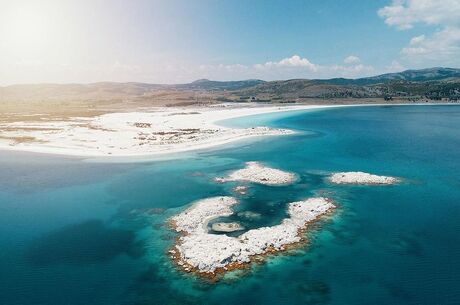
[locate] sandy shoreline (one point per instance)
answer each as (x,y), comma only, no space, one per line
(157,131)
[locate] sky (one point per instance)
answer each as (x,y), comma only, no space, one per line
(178,41)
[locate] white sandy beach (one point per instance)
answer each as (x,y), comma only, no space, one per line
(154,131)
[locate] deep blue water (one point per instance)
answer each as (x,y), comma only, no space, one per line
(85,232)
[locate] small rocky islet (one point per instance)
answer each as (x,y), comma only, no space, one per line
(362,178)
(256,172)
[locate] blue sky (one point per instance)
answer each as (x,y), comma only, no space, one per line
(179,41)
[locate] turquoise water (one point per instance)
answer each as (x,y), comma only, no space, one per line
(79,232)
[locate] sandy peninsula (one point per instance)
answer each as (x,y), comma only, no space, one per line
(258,173)
(362,178)
(199,251)
(154,130)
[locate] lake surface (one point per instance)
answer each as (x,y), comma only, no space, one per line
(86,232)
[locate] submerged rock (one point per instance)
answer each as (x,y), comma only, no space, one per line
(226,227)
(249,215)
(240,189)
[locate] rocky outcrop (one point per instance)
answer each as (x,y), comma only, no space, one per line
(361,178)
(257,173)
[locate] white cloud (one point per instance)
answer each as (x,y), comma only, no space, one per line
(404,14)
(352,60)
(294,61)
(442,45)
(440,48)
(350,71)
(298,67)
(417,39)
(395,66)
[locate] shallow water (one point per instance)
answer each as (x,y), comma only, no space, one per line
(77,232)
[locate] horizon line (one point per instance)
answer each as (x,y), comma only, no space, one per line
(213,80)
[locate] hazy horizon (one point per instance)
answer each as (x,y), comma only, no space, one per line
(179,42)
(201,79)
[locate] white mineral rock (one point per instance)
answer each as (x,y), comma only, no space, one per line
(226,227)
(207,252)
(249,215)
(361,178)
(196,218)
(240,189)
(258,173)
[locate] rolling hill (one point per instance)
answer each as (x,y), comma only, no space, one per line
(432,83)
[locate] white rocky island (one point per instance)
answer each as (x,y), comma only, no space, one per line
(199,251)
(362,178)
(258,173)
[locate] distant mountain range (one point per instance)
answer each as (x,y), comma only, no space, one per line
(432,83)
(423,75)
(206,84)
